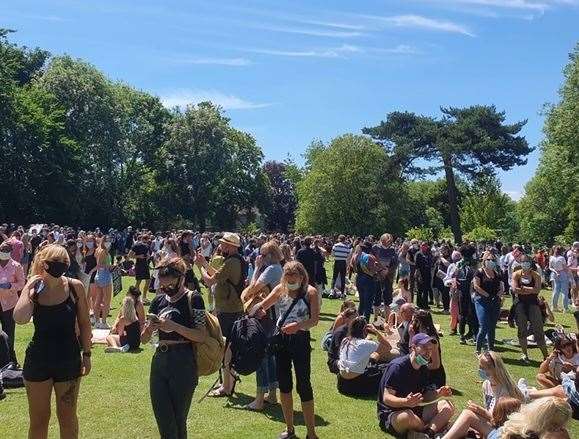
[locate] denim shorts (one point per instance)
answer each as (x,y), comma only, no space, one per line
(103,277)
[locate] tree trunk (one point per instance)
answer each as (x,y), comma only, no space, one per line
(452,200)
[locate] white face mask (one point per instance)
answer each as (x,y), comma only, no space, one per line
(294,286)
(4,256)
(90,244)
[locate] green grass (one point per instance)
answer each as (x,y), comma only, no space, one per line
(114,398)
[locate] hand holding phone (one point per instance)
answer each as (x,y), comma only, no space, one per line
(153,318)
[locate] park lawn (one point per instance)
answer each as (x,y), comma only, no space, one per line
(114,398)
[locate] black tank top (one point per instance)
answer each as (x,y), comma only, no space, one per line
(528,281)
(133,337)
(55,329)
(90,263)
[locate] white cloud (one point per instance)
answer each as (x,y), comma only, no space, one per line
(528,5)
(311,32)
(182,98)
(233,62)
(333,52)
(333,24)
(421,22)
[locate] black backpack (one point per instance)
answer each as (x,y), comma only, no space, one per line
(244,268)
(248,342)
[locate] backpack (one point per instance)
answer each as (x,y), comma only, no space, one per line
(248,343)
(11,377)
(239,287)
(368,264)
(209,353)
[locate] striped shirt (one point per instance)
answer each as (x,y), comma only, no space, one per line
(341,251)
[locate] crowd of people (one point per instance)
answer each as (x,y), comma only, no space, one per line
(386,346)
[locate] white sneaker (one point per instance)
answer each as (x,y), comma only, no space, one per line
(523,386)
(125,348)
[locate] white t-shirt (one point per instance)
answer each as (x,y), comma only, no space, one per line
(557,263)
(355,354)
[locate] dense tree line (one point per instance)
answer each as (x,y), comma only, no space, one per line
(79,148)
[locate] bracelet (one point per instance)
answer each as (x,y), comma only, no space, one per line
(87,354)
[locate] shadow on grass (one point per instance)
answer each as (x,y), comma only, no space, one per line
(327,319)
(271,411)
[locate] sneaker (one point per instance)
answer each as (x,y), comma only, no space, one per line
(523,386)
(452,332)
(125,348)
(462,339)
(287,435)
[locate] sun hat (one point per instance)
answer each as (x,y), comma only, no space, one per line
(231,239)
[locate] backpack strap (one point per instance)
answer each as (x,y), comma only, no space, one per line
(72,289)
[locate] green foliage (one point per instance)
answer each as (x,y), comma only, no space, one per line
(420,233)
(357,198)
(481,233)
(550,205)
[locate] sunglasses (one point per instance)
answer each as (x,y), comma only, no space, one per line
(169,272)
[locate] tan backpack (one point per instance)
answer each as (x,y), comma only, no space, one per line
(209,353)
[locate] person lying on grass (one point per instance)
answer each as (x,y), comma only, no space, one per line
(405,389)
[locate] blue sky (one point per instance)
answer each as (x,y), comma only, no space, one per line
(293,71)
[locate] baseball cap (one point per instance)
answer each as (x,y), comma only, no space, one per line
(422,339)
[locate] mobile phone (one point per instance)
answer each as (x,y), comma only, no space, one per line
(39,287)
(153,318)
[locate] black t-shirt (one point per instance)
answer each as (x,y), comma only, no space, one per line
(141,249)
(404,343)
(424,264)
(185,249)
(179,313)
(334,352)
(490,285)
(401,377)
(308,258)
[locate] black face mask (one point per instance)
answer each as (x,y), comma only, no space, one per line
(56,268)
(171,290)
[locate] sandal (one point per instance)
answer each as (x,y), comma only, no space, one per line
(218,393)
(252,408)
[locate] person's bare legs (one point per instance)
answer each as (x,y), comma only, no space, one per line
(92,299)
(287,407)
(114,340)
(406,420)
(553,391)
(465,421)
(545,380)
(440,414)
(107,297)
(309,418)
(38,408)
(97,303)
(146,289)
(66,399)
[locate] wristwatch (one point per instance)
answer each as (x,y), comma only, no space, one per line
(87,354)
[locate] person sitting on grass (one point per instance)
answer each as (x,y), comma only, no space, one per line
(406,315)
(401,399)
(126,332)
(339,332)
(497,384)
(468,420)
(564,358)
(362,361)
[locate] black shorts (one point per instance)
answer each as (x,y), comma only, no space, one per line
(58,371)
(142,272)
(226,321)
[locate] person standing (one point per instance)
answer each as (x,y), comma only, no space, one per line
(307,257)
(341,253)
(388,260)
(229,281)
(58,306)
(488,289)
(423,273)
(180,323)
(573,264)
(526,285)
(141,251)
(11,282)
(298,310)
(561,279)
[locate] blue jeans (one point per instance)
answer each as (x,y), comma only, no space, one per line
(266,375)
(561,287)
(487,313)
(366,291)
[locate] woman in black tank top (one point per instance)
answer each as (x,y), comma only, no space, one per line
(527,284)
(53,357)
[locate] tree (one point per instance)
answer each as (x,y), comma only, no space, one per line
(281,213)
(356,199)
(466,141)
(550,205)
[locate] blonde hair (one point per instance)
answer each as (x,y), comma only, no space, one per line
(504,406)
(294,267)
(128,310)
(502,375)
(286,251)
(50,252)
(540,416)
(101,251)
(272,248)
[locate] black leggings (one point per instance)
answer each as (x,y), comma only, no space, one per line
(297,350)
(366,384)
(339,270)
(467,315)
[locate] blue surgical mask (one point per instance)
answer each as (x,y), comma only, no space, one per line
(421,361)
(483,374)
(490,264)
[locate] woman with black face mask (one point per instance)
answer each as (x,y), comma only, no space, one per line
(179,319)
(59,309)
